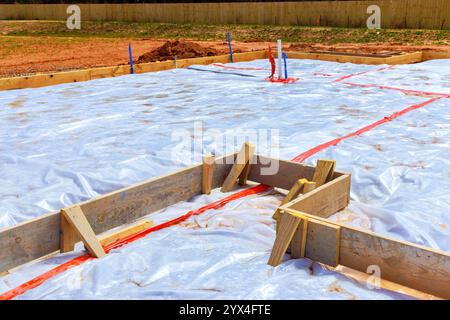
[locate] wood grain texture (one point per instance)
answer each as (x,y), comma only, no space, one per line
(404,263)
(125,232)
(301,186)
(281,173)
(324,171)
(324,200)
(242,159)
(287,226)
(39,237)
(29,241)
(69,237)
(363,277)
(322,242)
(77,220)
(244,175)
(207,174)
(298,242)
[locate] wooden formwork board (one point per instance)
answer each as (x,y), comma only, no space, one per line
(407,264)
(49,79)
(41,236)
(309,231)
(343,58)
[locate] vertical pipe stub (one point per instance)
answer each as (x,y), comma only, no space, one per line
(229,47)
(279,56)
(285,65)
(130,53)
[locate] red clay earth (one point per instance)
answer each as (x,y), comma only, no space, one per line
(180,50)
(51,54)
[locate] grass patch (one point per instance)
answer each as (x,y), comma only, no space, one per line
(246,33)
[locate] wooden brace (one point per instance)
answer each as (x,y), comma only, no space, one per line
(75,226)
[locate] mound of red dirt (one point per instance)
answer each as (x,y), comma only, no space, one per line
(180,49)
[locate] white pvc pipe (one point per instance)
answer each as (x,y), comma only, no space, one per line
(280,64)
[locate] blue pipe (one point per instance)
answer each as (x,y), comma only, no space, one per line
(131,59)
(285,65)
(229,46)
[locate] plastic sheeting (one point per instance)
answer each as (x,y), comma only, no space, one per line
(67,143)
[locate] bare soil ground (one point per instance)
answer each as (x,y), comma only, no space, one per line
(28,47)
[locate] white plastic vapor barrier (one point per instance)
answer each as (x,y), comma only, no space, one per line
(64,144)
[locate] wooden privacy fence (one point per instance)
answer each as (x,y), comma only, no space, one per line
(416,14)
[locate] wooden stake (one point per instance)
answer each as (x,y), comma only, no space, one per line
(208,171)
(244,175)
(324,171)
(242,159)
(301,186)
(288,224)
(69,237)
(77,221)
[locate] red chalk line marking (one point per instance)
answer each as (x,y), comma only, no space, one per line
(37,281)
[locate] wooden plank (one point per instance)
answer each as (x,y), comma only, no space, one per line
(295,190)
(287,226)
(293,193)
(49,79)
(324,171)
(432,55)
(125,232)
(405,263)
(406,58)
(315,240)
(39,237)
(324,200)
(363,277)
(301,186)
(322,242)
(280,173)
(129,204)
(308,186)
(244,175)
(29,241)
(336,58)
(241,161)
(77,220)
(207,174)
(298,242)
(69,237)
